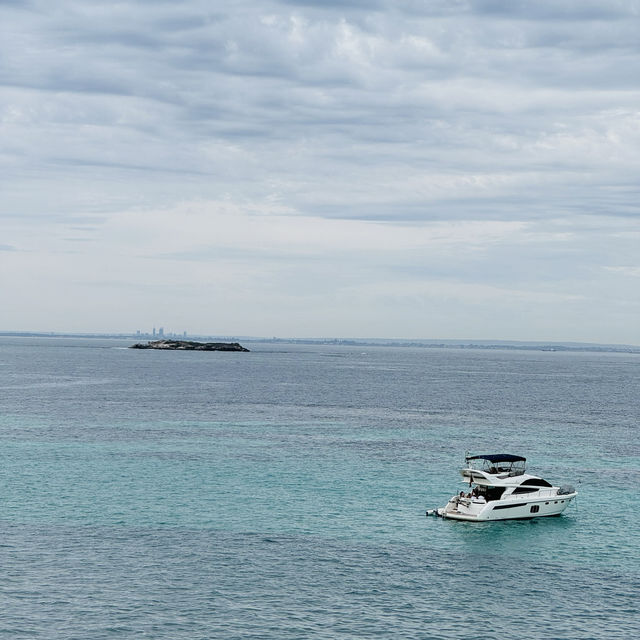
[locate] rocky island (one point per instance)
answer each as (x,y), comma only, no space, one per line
(188,345)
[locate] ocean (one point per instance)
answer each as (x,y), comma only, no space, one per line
(282,493)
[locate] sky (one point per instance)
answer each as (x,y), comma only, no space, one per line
(438,169)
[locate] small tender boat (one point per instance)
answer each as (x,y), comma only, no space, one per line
(500,489)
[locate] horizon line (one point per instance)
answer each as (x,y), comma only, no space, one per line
(330,340)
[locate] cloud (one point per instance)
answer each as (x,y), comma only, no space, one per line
(633,272)
(469,143)
(546,10)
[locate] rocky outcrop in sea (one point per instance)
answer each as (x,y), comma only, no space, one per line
(189,345)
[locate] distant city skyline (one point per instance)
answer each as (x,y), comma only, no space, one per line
(445,170)
(160,332)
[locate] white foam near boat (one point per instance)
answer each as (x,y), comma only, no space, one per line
(500,489)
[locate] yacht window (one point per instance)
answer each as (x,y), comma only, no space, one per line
(535,482)
(524,489)
(535,508)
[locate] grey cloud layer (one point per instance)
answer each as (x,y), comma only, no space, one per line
(403,112)
(383,94)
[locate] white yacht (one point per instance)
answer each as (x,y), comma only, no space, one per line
(500,489)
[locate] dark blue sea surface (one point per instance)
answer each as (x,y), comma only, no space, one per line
(282,493)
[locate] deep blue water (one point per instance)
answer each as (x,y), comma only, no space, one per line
(281,493)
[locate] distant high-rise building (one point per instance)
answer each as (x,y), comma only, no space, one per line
(154,332)
(161,332)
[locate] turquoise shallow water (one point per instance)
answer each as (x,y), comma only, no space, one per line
(281,493)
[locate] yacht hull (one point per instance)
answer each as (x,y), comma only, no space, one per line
(513,509)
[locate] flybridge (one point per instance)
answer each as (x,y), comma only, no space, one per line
(495,464)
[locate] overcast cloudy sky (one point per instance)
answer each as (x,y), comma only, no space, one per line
(359,168)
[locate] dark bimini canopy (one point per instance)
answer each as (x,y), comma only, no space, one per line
(498,457)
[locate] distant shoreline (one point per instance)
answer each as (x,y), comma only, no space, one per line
(356,342)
